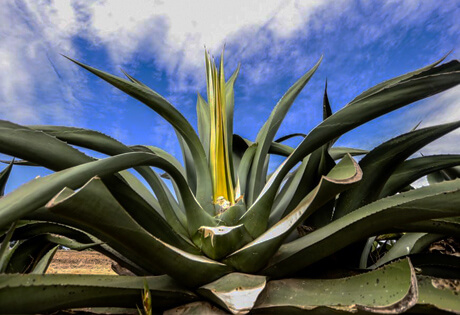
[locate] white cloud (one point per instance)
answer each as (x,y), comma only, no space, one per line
(31,90)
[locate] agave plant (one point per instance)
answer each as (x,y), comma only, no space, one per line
(230,237)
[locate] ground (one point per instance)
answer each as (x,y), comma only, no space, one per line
(84,262)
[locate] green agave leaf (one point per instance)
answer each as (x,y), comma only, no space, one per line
(45,261)
(27,254)
(290,136)
(363,110)
(398,79)
(255,255)
(284,197)
(110,223)
(174,117)
(229,109)
(204,122)
(446,226)
(100,142)
(318,165)
(217,242)
(141,190)
(378,165)
(232,215)
(437,265)
(339,152)
(436,295)
(245,167)
(29,144)
(390,290)
(49,293)
(162,153)
(189,163)
(5,251)
(414,169)
(268,132)
(4,175)
(437,201)
(409,243)
(235,292)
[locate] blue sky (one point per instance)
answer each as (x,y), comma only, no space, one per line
(162,44)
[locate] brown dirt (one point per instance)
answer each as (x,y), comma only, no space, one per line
(84,262)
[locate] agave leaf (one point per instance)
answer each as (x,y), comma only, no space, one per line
(162,153)
(318,165)
(409,243)
(437,265)
(28,229)
(5,251)
(4,175)
(19,162)
(28,144)
(232,215)
(287,192)
(290,136)
(27,254)
(255,255)
(111,224)
(378,165)
(204,122)
(174,117)
(339,152)
(218,242)
(447,226)
(45,261)
(268,132)
(414,169)
(229,109)
(188,162)
(141,190)
(398,79)
(49,293)
(245,167)
(437,295)
(437,201)
(390,290)
(102,143)
(235,292)
(381,102)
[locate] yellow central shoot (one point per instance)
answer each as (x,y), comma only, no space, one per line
(219,161)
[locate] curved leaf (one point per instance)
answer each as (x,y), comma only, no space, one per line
(390,290)
(409,243)
(379,164)
(437,201)
(436,295)
(268,132)
(49,293)
(414,169)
